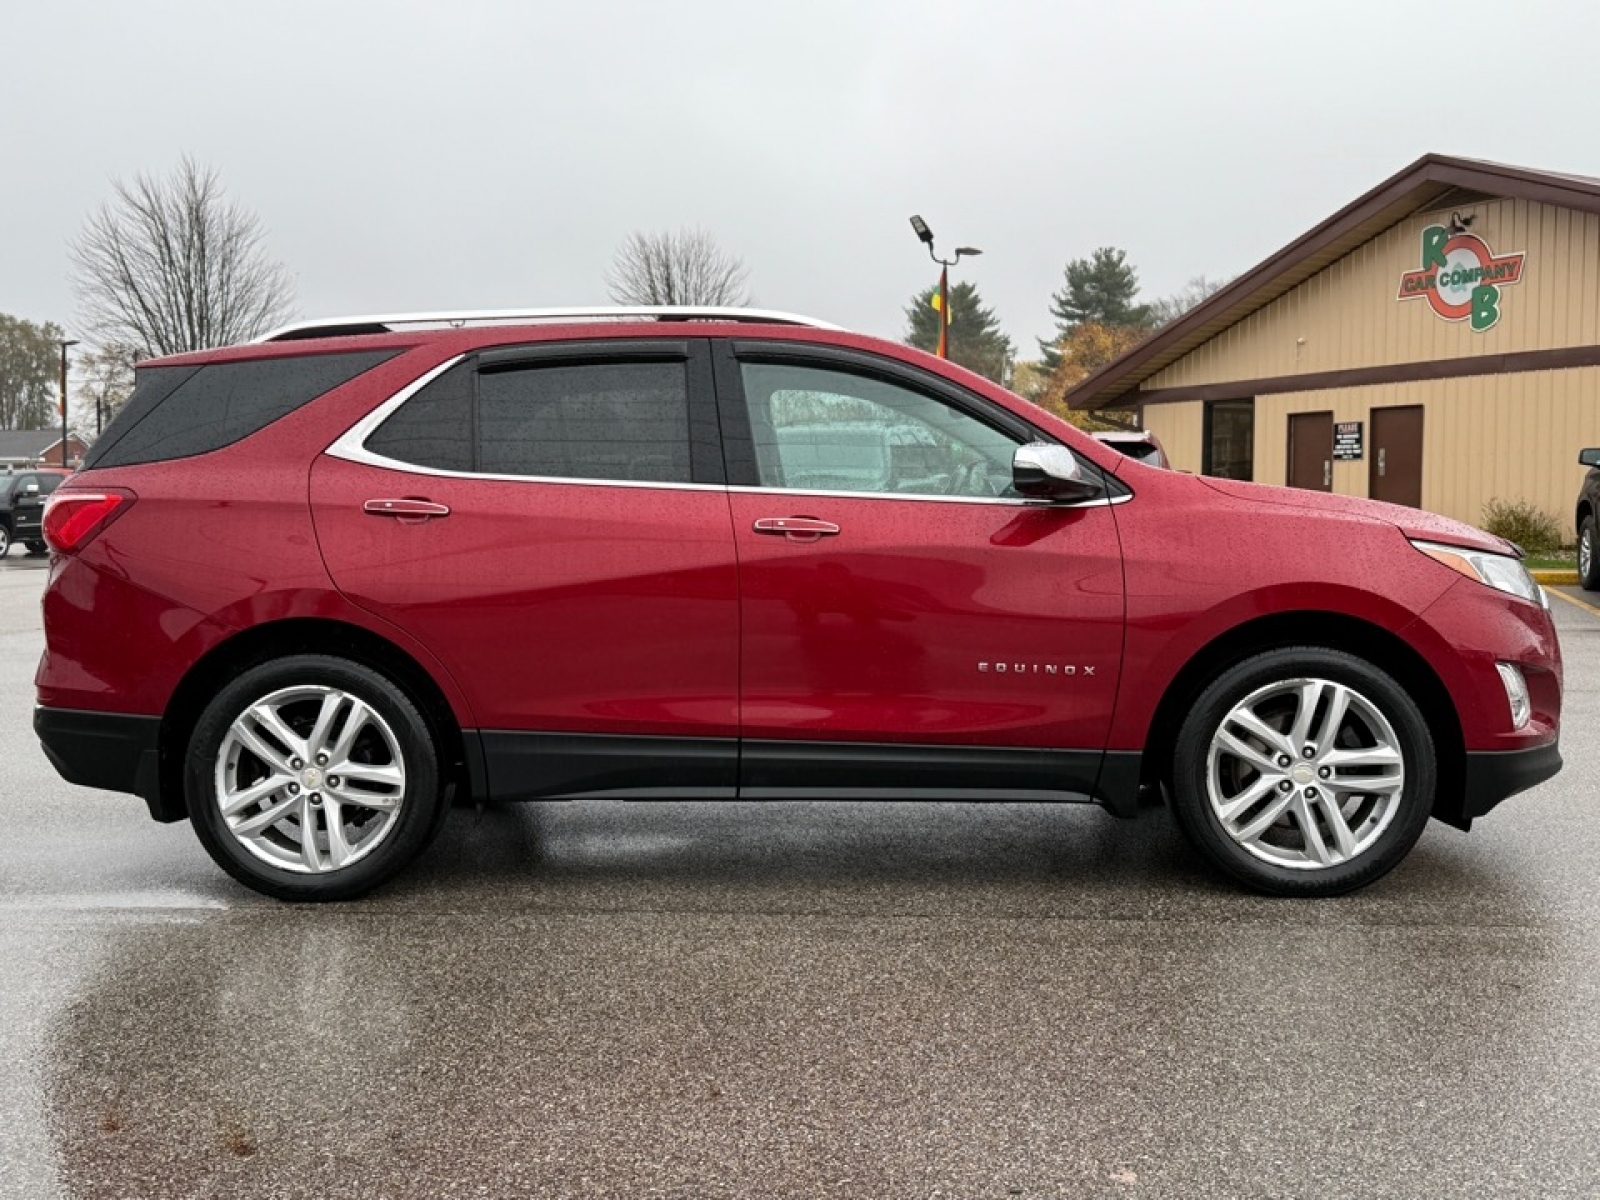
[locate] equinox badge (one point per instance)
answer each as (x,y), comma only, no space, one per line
(1027,668)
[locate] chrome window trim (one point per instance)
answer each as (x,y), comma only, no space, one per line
(1003,501)
(350,446)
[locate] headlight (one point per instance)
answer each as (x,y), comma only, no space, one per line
(1499,571)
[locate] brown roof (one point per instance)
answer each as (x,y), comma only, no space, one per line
(1424,184)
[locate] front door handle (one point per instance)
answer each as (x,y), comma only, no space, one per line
(409,511)
(796,529)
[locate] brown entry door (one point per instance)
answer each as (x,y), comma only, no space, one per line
(1394,468)
(1311,451)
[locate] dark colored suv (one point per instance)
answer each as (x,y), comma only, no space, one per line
(22,498)
(306,591)
(1587,521)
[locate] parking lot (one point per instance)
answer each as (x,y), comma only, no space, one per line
(699,1000)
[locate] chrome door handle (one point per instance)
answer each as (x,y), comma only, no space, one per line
(408,511)
(796,529)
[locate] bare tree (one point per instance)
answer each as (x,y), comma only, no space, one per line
(1170,308)
(103,382)
(686,267)
(171,265)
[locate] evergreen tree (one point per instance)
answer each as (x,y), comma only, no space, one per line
(975,338)
(1102,289)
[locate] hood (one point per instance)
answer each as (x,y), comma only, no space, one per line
(1412,522)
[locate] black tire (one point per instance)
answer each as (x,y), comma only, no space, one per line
(37,548)
(1381,830)
(399,736)
(1589,563)
(5,539)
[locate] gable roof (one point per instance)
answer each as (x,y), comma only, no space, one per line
(1432,180)
(19,445)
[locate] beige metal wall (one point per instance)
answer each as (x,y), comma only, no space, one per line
(1180,428)
(1348,315)
(1515,437)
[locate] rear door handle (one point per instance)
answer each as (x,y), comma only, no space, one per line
(408,511)
(796,529)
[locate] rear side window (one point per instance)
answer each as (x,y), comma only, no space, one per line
(178,412)
(625,421)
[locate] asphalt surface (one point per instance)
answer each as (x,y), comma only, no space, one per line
(697,1000)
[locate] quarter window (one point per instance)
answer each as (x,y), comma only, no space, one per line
(178,412)
(433,428)
(817,429)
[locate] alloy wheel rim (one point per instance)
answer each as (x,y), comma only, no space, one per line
(1585,551)
(310,779)
(1305,774)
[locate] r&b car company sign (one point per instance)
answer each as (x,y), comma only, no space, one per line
(1461,277)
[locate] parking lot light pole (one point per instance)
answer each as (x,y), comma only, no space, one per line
(925,235)
(64,346)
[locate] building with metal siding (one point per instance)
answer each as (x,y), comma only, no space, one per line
(1436,342)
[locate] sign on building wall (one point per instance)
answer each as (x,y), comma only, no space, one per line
(1461,277)
(1347,440)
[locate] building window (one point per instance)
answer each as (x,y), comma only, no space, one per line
(1230,439)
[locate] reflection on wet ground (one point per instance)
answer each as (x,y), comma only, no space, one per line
(707,1000)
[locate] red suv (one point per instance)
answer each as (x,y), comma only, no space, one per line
(305,592)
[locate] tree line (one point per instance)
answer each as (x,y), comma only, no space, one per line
(170,264)
(1098,314)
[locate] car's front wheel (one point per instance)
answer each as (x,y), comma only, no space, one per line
(1589,555)
(5,540)
(313,778)
(1304,772)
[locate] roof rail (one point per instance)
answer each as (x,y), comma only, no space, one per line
(351,326)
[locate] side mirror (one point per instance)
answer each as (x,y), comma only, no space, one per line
(1589,457)
(1046,472)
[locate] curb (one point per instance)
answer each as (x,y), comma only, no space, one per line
(1555,578)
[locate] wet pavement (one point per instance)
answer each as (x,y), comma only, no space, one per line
(698,1000)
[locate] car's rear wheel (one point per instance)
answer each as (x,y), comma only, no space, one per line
(1304,772)
(1589,555)
(313,778)
(36,548)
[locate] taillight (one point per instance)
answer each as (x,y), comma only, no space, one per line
(73,519)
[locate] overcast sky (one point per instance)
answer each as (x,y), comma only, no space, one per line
(486,153)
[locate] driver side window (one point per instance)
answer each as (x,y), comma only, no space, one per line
(817,429)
